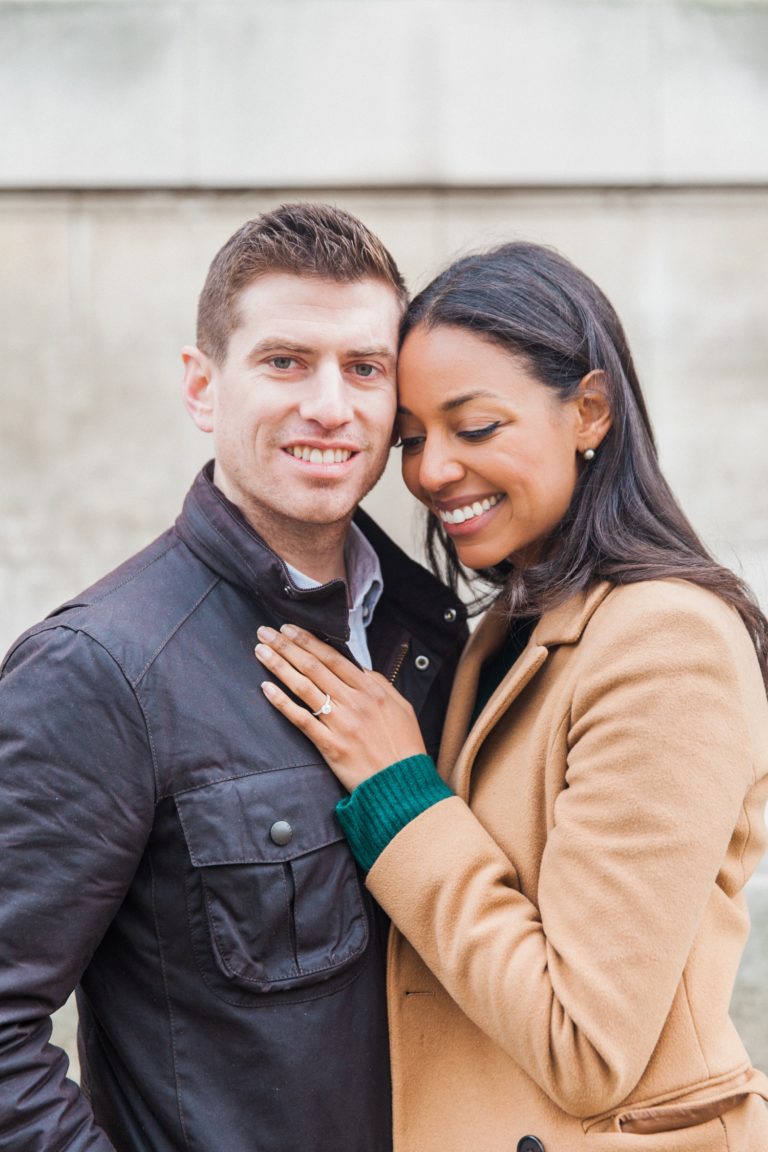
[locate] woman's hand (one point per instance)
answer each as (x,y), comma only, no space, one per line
(357,721)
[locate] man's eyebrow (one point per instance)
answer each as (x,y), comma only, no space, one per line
(275,344)
(455,401)
(383,352)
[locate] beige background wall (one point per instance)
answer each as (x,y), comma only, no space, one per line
(135,135)
(98,293)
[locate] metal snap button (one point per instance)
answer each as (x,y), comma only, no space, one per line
(449,615)
(422,663)
(281,832)
(530,1144)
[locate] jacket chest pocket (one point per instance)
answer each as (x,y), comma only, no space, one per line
(273,894)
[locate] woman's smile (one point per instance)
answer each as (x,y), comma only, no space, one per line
(468,516)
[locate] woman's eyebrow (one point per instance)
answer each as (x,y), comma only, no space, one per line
(455,401)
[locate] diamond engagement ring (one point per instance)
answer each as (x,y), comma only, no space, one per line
(326,707)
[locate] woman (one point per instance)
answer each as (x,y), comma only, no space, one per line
(566,892)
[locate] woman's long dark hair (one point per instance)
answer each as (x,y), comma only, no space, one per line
(624,524)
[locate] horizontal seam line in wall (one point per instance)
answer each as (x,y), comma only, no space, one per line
(521,188)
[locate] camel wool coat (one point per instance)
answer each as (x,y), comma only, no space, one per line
(569,923)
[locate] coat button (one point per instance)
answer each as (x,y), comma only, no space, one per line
(530,1144)
(281,832)
(449,615)
(422,663)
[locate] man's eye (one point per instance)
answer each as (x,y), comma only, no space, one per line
(479,433)
(364,370)
(282,362)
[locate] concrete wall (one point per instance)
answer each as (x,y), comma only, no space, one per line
(135,136)
(260,93)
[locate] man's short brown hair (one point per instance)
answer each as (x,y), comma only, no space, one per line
(304,239)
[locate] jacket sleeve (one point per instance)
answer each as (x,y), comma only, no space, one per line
(76,805)
(575,983)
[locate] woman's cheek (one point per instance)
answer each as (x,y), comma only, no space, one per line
(410,469)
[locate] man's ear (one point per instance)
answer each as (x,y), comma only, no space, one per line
(594,409)
(197,386)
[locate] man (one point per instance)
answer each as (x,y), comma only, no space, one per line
(167,843)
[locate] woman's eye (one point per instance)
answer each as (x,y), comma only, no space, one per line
(480,433)
(409,443)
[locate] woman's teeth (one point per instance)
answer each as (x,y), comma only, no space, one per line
(318,455)
(469,511)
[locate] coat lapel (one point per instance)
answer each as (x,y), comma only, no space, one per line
(460,744)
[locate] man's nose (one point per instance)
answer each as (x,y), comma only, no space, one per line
(327,400)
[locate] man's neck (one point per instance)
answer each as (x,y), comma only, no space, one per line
(316,563)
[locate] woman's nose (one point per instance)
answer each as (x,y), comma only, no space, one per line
(438,467)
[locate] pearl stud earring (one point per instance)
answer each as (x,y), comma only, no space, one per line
(589,454)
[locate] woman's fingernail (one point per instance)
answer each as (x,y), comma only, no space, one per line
(262,652)
(290,631)
(265,633)
(268,689)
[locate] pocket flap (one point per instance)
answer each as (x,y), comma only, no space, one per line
(233,821)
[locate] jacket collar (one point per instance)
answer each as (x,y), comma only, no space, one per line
(561,625)
(218,533)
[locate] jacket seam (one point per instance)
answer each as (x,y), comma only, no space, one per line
(116,587)
(80,631)
(167,639)
(750,831)
(168,1007)
(692,1018)
(238,776)
(725,1134)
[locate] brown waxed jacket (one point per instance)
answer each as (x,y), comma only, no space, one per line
(571,922)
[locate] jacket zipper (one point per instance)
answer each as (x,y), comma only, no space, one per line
(399,662)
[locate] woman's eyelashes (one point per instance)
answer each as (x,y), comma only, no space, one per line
(409,443)
(479,433)
(473,435)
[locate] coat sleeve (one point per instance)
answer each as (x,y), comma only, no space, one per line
(575,982)
(76,804)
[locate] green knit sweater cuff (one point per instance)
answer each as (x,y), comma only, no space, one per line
(384,803)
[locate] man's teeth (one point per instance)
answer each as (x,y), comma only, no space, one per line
(318,455)
(469,511)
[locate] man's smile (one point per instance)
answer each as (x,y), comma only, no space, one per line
(311,454)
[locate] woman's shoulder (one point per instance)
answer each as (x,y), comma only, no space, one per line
(664,616)
(674,602)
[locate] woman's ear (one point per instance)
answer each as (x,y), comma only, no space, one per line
(197,387)
(594,409)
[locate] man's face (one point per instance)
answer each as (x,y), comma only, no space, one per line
(302,408)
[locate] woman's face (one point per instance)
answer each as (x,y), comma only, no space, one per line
(490,450)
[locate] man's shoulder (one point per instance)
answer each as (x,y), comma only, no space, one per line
(133,610)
